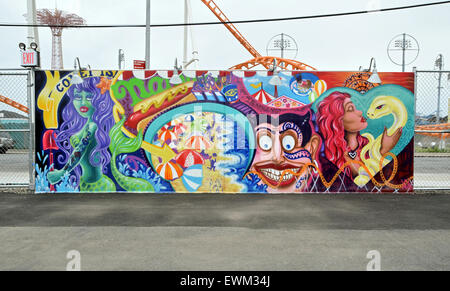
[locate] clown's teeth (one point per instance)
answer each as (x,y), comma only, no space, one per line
(287,177)
(275,175)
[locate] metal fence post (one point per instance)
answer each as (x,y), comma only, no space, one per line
(415,94)
(415,114)
(31,155)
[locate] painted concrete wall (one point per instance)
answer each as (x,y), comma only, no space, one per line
(222,131)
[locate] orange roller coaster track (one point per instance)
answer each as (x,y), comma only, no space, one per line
(13,103)
(285,64)
(266,62)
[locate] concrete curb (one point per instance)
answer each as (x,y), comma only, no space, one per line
(27,191)
(432,155)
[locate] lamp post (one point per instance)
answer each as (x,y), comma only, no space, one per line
(76,78)
(276,79)
(374,77)
(176,79)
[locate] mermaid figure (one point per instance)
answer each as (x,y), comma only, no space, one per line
(121,144)
(84,140)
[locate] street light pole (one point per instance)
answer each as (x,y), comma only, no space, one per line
(147,36)
(33,35)
(186,20)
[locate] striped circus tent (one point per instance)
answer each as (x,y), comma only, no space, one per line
(169,170)
(167,134)
(197,142)
(262,96)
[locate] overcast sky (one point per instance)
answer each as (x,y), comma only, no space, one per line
(338,43)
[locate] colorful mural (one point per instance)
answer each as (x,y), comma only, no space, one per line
(223,131)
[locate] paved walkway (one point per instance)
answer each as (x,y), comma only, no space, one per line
(224,232)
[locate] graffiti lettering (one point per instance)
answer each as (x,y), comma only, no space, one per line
(134,87)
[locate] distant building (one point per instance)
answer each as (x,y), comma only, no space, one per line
(430,119)
(10,114)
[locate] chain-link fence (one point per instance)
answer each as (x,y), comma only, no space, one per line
(432,132)
(15,134)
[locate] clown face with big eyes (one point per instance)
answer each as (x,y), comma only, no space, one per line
(283,146)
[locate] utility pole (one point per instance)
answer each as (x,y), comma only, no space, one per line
(403,52)
(33,35)
(147,36)
(282,47)
(185,28)
(121,58)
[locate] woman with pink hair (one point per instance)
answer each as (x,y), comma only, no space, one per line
(340,123)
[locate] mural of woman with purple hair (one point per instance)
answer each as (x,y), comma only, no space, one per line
(84,137)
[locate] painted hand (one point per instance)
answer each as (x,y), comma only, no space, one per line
(55,176)
(389,142)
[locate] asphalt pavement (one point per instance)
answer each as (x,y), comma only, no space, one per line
(225,232)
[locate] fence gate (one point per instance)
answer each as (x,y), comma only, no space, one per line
(16,141)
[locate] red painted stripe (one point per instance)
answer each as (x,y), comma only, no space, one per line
(200,73)
(148,74)
(249,73)
(126,75)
